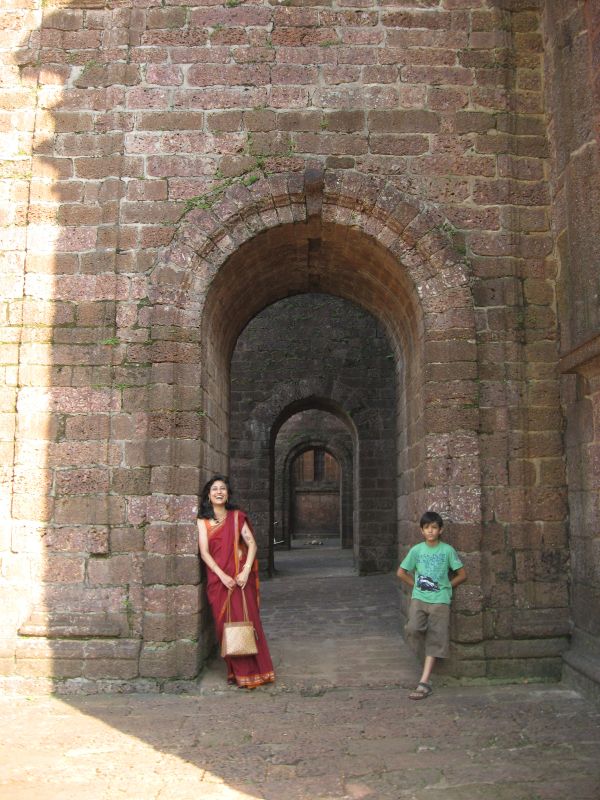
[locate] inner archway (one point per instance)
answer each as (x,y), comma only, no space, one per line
(315,480)
(316,489)
(327,443)
(315,354)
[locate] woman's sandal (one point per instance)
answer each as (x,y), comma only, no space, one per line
(422,691)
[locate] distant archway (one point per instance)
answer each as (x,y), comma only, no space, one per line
(343,460)
(342,446)
(301,361)
(314,492)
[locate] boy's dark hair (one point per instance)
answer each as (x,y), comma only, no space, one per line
(431,516)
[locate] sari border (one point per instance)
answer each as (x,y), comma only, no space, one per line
(236,541)
(212,529)
(252,681)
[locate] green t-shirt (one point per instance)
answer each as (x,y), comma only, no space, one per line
(430,567)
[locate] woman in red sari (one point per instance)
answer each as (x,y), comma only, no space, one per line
(228,549)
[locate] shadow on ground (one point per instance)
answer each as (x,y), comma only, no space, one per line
(338,723)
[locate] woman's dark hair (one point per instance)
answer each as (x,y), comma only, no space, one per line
(431,516)
(205,507)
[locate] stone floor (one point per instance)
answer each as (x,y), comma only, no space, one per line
(338,723)
(329,628)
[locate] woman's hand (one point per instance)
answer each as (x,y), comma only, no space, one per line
(241,578)
(228,581)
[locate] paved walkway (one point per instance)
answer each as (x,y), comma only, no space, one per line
(327,628)
(336,725)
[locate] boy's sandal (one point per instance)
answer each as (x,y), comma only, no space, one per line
(422,691)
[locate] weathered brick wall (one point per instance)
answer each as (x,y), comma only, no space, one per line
(572,44)
(122,307)
(317,512)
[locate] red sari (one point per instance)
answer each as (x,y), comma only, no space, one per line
(229,550)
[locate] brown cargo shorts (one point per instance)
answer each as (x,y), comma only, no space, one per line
(428,628)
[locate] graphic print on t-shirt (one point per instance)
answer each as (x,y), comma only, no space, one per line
(430,567)
(432,570)
(427,584)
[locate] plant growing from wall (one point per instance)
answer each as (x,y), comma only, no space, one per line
(249,176)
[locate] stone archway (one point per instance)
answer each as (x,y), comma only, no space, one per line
(314,483)
(319,346)
(355,237)
(310,430)
(374,551)
(375,542)
(343,457)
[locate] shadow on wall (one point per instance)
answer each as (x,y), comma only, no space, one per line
(81,369)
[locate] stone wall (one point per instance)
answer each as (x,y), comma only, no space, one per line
(572,44)
(317,512)
(170,171)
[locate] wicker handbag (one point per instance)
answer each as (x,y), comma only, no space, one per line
(239,638)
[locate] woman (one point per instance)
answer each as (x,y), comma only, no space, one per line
(228,549)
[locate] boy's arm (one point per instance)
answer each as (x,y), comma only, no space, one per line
(460,576)
(405,577)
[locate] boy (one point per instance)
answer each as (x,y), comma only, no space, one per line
(426,569)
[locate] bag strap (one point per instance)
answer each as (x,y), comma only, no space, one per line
(246,616)
(228,605)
